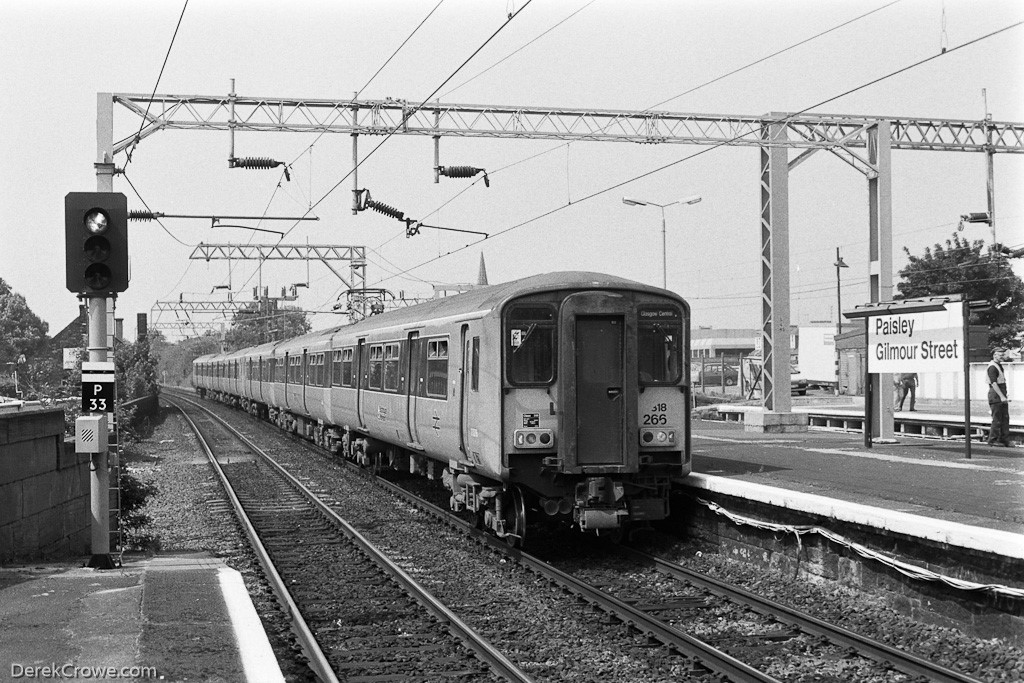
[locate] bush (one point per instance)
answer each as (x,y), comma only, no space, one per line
(134,494)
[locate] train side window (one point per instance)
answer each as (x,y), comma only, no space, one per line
(336,368)
(391,365)
(347,380)
(376,366)
(530,344)
(659,345)
(475,373)
(437,368)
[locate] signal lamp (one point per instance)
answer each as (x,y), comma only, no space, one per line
(96,242)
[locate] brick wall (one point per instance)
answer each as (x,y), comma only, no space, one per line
(44,488)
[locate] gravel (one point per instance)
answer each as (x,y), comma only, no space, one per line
(189,514)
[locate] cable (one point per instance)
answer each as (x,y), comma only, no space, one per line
(774,54)
(158,221)
(695,88)
(411,113)
(388,61)
(521,48)
(904,568)
(156,85)
(706,150)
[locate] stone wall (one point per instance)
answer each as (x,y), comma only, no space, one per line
(44,488)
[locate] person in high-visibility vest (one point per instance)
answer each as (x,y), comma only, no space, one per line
(998,400)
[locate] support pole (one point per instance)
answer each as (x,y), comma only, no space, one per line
(881,407)
(967,377)
(99,481)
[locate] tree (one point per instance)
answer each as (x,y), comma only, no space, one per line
(263,321)
(24,347)
(174,361)
(22,332)
(967,268)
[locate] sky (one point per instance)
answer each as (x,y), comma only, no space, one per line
(557,206)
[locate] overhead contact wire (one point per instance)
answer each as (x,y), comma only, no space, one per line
(156,85)
(411,113)
(711,148)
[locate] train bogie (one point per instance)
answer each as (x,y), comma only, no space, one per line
(566,394)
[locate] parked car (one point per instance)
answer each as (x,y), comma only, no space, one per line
(711,375)
(797,384)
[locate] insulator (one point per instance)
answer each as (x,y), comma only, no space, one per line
(141,215)
(385,209)
(255,162)
(459,171)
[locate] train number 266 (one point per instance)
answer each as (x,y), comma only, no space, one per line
(657,415)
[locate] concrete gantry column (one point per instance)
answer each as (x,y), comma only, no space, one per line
(880,263)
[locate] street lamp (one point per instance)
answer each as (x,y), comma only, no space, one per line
(629,201)
(839,311)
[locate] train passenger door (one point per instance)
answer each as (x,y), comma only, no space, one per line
(600,404)
(597,424)
(359,371)
(415,373)
(464,369)
(287,376)
(305,378)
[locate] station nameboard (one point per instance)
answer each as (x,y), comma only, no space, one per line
(930,341)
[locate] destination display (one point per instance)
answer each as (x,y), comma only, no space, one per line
(917,342)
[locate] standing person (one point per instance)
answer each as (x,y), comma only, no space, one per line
(998,400)
(897,387)
(908,384)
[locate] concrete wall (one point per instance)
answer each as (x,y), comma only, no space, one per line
(44,488)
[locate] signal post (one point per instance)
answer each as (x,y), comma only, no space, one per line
(96,250)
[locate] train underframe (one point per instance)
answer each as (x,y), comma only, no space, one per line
(604,505)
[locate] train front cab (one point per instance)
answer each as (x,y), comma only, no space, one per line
(596,403)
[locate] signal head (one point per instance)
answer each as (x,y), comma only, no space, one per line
(96,240)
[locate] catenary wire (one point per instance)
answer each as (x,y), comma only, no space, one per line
(706,150)
(413,111)
(691,90)
(156,85)
(521,48)
(391,133)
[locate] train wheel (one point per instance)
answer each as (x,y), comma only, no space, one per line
(514,515)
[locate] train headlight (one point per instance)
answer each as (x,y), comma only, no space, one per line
(533,438)
(655,437)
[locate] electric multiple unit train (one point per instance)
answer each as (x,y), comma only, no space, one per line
(563,394)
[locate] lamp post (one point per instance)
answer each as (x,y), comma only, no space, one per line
(628,201)
(839,310)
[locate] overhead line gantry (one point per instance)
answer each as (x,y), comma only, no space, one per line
(863,142)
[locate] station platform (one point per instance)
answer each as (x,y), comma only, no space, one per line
(173,617)
(927,477)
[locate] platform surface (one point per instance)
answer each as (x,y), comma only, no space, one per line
(173,618)
(920,476)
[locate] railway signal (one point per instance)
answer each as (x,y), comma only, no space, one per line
(96,242)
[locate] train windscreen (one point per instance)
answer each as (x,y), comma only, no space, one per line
(530,344)
(660,344)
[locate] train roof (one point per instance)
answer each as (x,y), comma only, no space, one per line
(480,299)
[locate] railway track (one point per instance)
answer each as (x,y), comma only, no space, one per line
(765,634)
(660,603)
(356,614)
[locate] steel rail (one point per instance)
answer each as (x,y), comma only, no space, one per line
(487,652)
(873,649)
(307,641)
(717,660)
